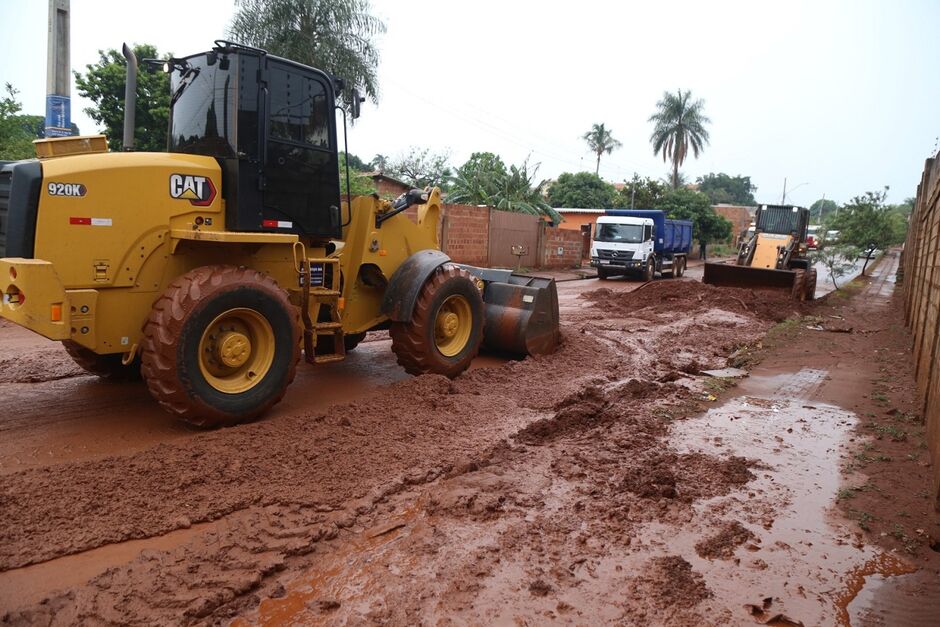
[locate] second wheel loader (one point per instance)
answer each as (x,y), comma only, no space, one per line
(773,257)
(210,269)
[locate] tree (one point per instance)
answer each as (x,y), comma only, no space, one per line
(822,208)
(838,260)
(479,180)
(357,164)
(687,204)
(333,35)
(103,84)
(722,188)
(379,163)
(359,184)
(640,193)
(600,140)
(679,125)
(16,141)
(582,190)
(867,223)
(485,180)
(421,168)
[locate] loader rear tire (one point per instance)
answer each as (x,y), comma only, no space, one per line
(221,346)
(810,280)
(110,367)
(446,327)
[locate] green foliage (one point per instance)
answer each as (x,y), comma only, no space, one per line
(822,209)
(687,204)
(679,125)
(379,163)
(643,193)
(103,83)
(359,184)
(16,140)
(421,168)
(722,188)
(599,141)
(867,223)
(838,260)
(358,164)
(582,190)
(485,180)
(332,35)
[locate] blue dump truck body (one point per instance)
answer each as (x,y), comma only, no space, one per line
(640,241)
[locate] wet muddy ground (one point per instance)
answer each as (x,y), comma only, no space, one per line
(609,483)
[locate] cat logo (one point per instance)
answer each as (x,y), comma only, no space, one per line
(198,190)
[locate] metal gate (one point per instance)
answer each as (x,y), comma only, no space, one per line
(511,232)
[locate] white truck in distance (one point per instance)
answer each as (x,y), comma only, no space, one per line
(640,242)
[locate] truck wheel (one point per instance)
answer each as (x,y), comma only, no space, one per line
(650,271)
(810,279)
(680,267)
(446,328)
(221,346)
(105,366)
(602,274)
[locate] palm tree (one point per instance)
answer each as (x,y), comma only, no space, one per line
(680,124)
(379,162)
(333,35)
(599,140)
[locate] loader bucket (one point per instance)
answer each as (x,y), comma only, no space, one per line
(521,312)
(731,275)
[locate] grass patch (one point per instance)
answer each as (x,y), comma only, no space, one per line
(895,432)
(864,519)
(717,385)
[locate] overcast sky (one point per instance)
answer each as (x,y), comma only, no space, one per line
(838,97)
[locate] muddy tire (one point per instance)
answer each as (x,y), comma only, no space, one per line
(446,328)
(810,281)
(650,272)
(221,346)
(680,267)
(602,274)
(798,292)
(108,367)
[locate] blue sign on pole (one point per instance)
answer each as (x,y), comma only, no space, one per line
(58,116)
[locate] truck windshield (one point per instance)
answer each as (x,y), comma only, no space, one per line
(627,233)
(202,120)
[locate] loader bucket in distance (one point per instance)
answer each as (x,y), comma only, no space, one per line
(731,275)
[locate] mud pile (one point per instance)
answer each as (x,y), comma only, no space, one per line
(687,296)
(507,491)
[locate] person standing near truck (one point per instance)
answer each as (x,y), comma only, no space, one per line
(701,250)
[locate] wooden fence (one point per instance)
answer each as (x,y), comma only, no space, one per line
(921,280)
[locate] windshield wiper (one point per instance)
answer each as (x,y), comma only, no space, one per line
(194,71)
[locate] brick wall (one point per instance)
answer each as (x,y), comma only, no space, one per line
(739,216)
(567,241)
(465,233)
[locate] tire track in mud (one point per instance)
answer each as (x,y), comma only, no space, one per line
(288,490)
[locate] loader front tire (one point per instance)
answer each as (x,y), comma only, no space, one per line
(221,346)
(110,367)
(446,327)
(810,279)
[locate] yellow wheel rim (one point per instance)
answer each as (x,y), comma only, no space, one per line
(236,350)
(452,325)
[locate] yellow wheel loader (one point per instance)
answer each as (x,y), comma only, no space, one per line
(210,269)
(773,257)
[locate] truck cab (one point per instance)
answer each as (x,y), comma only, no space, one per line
(622,243)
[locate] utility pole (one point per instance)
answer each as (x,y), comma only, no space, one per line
(633,190)
(58,72)
(783,199)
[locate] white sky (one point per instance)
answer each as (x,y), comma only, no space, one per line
(839,97)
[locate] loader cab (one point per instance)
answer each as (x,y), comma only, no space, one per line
(271,124)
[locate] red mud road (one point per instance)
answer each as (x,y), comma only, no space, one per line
(586,487)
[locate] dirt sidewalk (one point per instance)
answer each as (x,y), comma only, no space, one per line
(588,486)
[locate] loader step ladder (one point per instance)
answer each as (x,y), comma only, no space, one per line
(323,301)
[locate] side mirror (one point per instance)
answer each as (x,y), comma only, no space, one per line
(355,105)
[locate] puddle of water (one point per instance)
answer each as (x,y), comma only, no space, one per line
(28,585)
(809,559)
